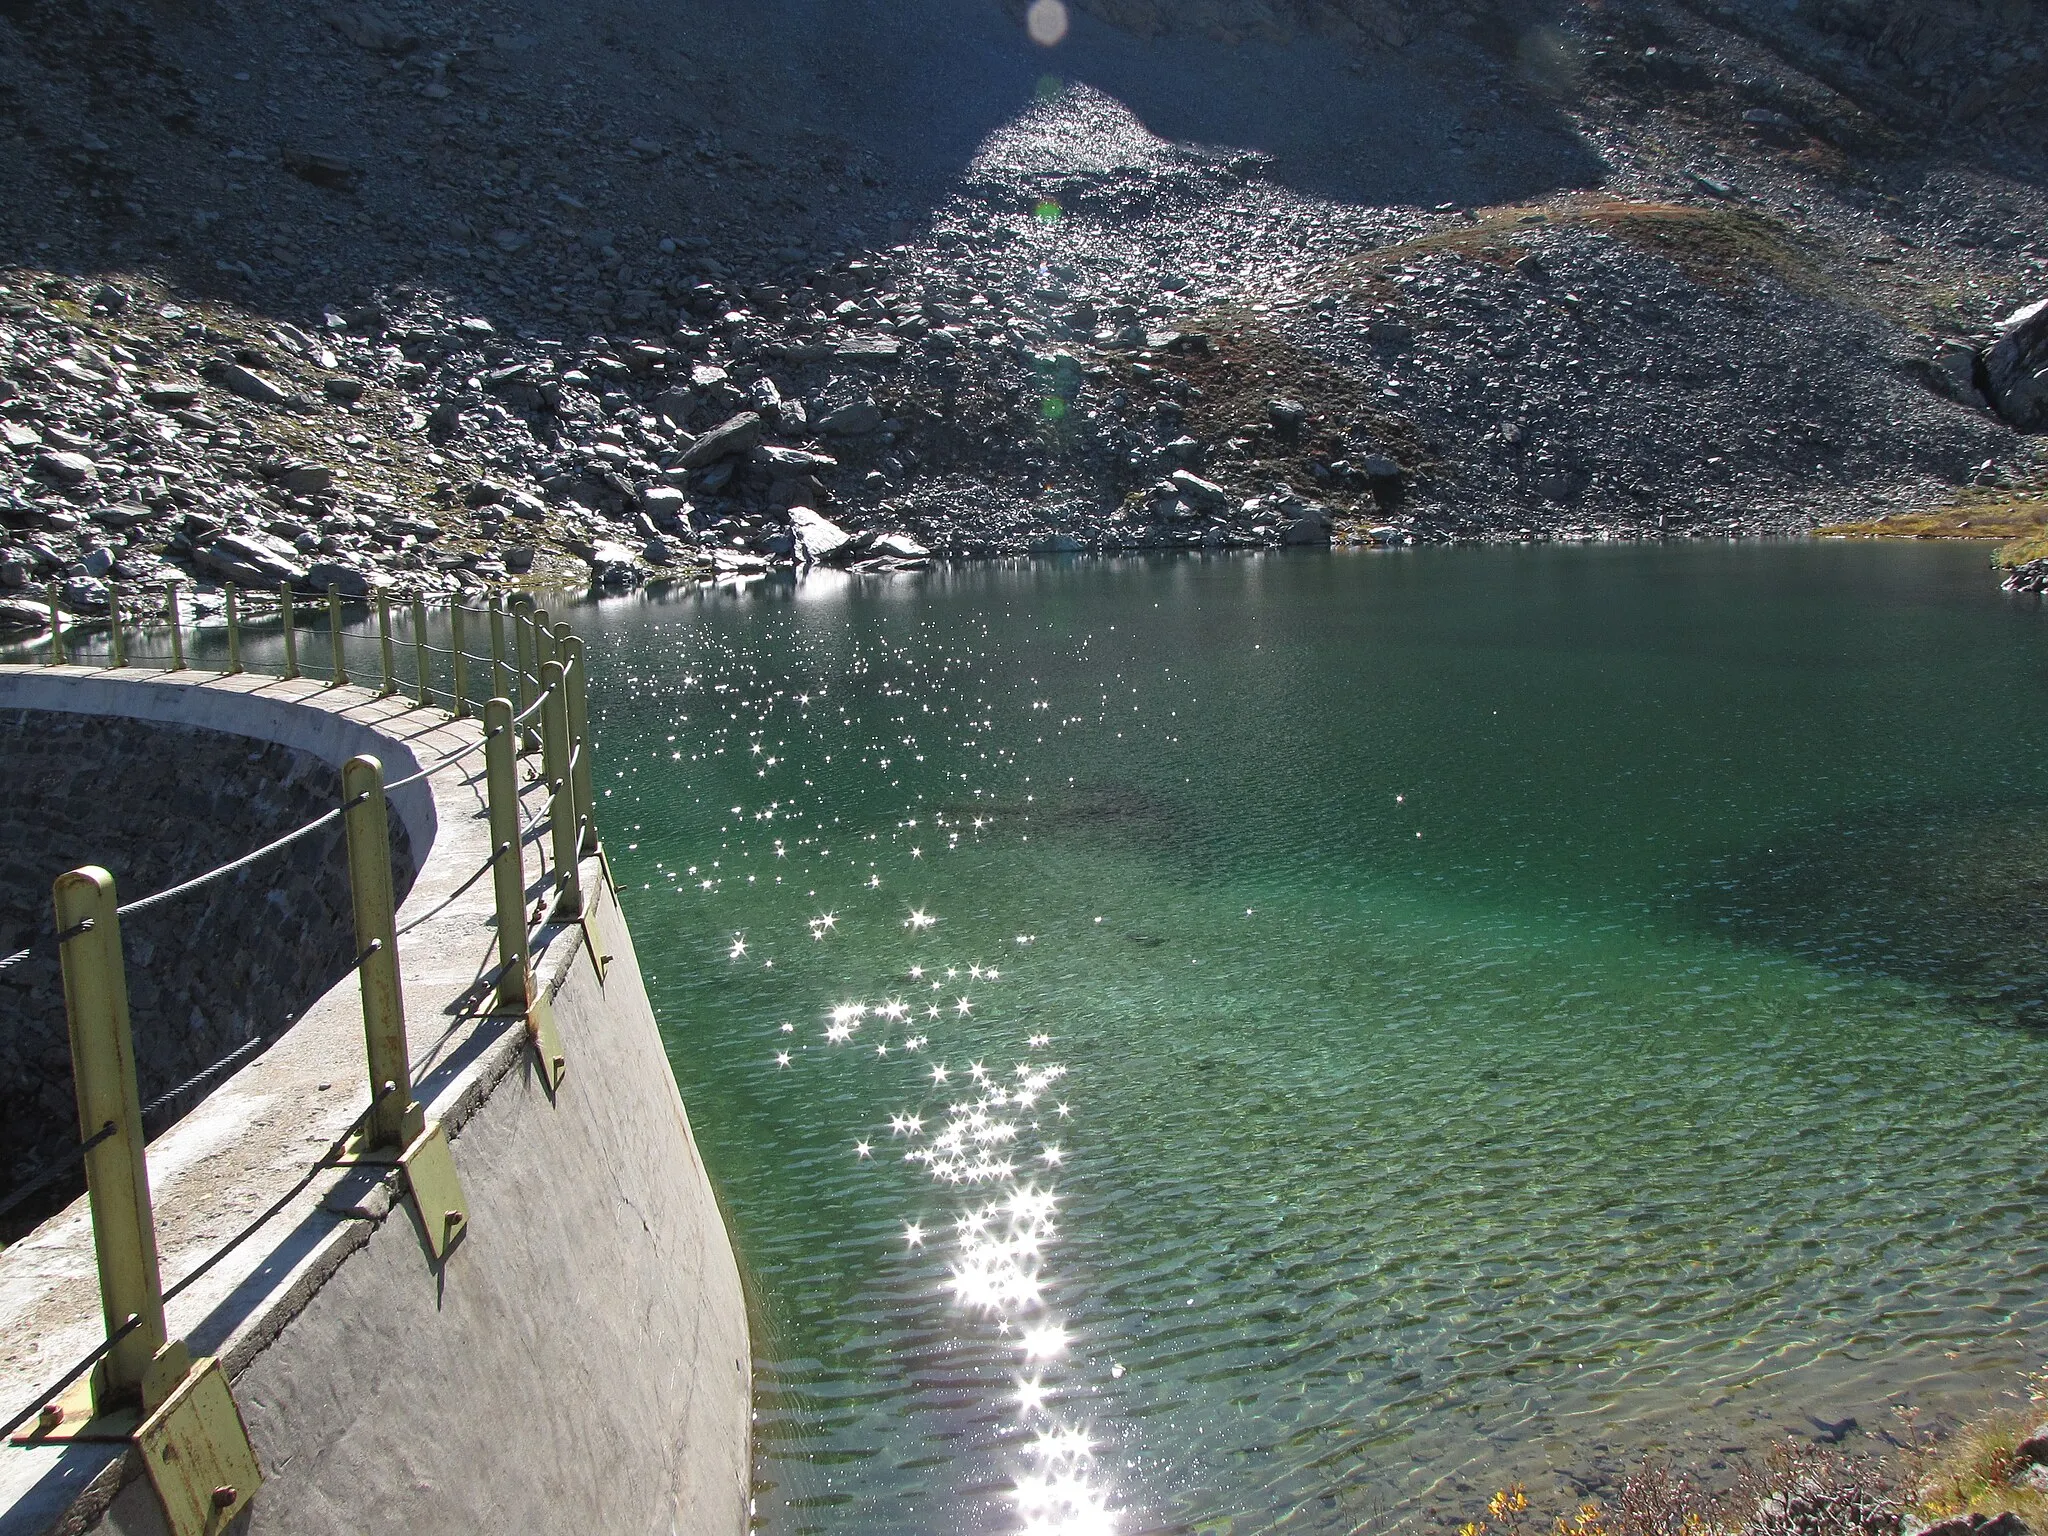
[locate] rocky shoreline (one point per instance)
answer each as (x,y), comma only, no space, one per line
(1711,318)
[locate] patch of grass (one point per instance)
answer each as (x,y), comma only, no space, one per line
(1977,1470)
(2017,520)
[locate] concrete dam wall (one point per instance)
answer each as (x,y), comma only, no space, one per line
(579,1360)
(160,802)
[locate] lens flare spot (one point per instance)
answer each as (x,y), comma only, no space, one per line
(1047,212)
(1054,408)
(1046,21)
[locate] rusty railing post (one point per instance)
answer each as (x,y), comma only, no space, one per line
(138,1370)
(117,645)
(177,626)
(562,825)
(575,666)
(384,643)
(234,629)
(460,660)
(57,656)
(394,1118)
(499,689)
(508,856)
(340,678)
(419,651)
(291,629)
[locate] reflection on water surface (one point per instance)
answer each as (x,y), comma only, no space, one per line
(1291,1044)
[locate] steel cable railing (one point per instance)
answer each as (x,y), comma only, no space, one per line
(542,667)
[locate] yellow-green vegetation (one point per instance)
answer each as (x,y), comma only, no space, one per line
(1980,1469)
(1718,244)
(2016,520)
(1995,1464)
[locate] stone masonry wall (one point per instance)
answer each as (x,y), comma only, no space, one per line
(238,959)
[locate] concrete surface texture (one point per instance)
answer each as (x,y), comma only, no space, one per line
(580,1361)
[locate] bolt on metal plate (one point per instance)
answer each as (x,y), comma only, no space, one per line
(436,1191)
(197,1450)
(547,1042)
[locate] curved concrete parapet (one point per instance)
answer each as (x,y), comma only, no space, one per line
(580,1361)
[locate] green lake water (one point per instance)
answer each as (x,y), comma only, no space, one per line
(1292,1044)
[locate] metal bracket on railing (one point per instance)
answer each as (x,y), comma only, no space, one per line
(395,1130)
(198,1454)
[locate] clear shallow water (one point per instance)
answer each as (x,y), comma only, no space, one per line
(1443,1018)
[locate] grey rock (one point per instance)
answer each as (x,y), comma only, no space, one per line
(856,418)
(658,551)
(97,561)
(252,559)
(65,468)
(171,397)
(23,618)
(867,349)
(665,506)
(518,558)
(342,390)
(323,169)
(2017,367)
(1202,495)
(738,434)
(236,379)
(305,479)
(369,26)
(899,546)
(794,460)
(349,580)
(1954,372)
(818,538)
(612,564)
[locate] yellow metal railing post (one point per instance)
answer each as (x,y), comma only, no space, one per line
(291,630)
(57,656)
(499,689)
(234,631)
(137,1369)
(177,626)
(543,640)
(459,660)
(384,642)
(394,1118)
(419,651)
(340,678)
(574,668)
(562,825)
(522,653)
(117,647)
(508,855)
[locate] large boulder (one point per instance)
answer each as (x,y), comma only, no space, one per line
(252,560)
(2017,367)
(818,538)
(348,580)
(738,435)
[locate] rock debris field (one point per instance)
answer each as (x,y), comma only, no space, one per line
(437,298)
